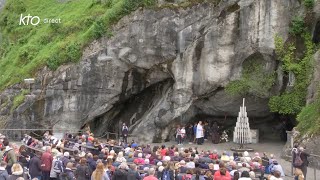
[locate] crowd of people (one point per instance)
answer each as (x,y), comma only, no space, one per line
(84,157)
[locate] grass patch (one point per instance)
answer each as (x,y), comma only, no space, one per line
(26,48)
(19,99)
(309,118)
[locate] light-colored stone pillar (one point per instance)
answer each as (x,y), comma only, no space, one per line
(290,138)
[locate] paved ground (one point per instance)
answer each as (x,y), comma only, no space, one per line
(272,147)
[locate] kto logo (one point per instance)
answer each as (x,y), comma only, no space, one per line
(26,20)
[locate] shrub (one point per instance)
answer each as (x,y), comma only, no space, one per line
(254,80)
(292,102)
(73,52)
(296,26)
(19,99)
(308,3)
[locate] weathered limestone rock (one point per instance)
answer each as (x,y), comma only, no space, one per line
(160,65)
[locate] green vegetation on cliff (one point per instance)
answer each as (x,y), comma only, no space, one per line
(19,99)
(293,100)
(26,48)
(254,80)
(309,118)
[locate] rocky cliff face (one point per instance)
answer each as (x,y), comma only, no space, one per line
(161,67)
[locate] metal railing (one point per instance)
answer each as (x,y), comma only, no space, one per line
(18,134)
(314,164)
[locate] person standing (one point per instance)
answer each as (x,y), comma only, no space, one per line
(35,166)
(190,134)
(199,135)
(302,156)
(195,132)
(8,156)
(183,134)
(125,132)
(46,162)
(215,133)
(178,135)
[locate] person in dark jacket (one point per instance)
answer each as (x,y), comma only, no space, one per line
(120,173)
(65,159)
(133,173)
(125,131)
(24,156)
(215,133)
(202,164)
(83,171)
(68,173)
(3,172)
(91,162)
(35,166)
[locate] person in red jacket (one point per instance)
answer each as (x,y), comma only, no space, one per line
(46,162)
(222,174)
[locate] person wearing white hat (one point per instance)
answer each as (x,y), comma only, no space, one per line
(159,163)
(65,159)
(246,156)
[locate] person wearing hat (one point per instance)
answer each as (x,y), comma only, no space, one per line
(65,159)
(246,156)
(277,167)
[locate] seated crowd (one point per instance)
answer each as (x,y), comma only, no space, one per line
(84,157)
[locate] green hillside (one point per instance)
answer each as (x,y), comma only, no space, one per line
(26,48)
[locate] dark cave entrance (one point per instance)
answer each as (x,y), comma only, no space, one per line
(270,128)
(316,33)
(128,110)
